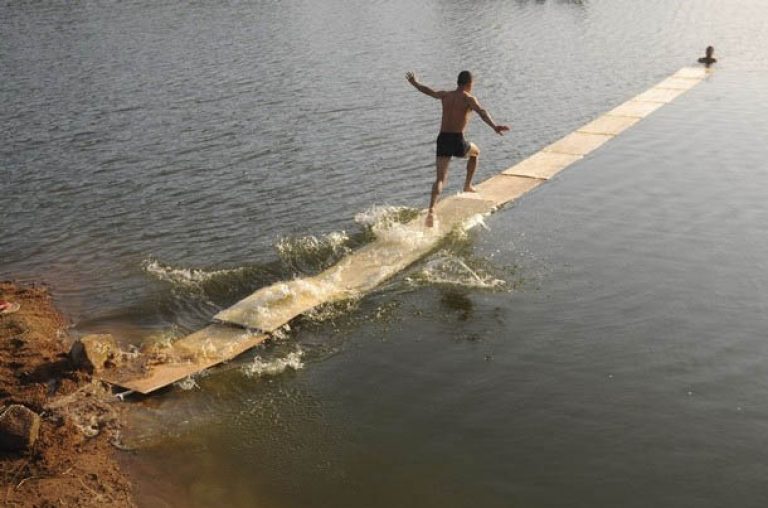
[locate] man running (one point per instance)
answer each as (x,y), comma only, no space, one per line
(457,105)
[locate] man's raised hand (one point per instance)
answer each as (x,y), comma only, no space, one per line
(410,77)
(501,129)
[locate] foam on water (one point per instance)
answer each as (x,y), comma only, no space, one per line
(188,277)
(260,367)
(331,310)
(186,384)
(449,269)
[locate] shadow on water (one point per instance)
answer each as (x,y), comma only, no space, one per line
(458,302)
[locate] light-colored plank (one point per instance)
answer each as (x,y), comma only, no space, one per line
(398,247)
(679,83)
(502,189)
(609,125)
(635,109)
(457,210)
(692,73)
(578,143)
(665,95)
(201,350)
(271,307)
(542,165)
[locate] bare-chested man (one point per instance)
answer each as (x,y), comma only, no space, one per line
(457,105)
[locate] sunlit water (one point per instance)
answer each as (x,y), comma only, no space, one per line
(601,344)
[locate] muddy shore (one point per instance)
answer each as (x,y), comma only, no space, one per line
(73,461)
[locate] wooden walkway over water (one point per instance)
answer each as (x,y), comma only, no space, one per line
(249,322)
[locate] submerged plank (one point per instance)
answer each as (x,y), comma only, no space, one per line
(201,350)
(394,249)
(273,306)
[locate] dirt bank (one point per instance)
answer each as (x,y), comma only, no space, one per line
(73,462)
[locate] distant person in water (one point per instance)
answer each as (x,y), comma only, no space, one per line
(457,106)
(708,59)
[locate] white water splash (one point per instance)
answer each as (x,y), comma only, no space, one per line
(189,277)
(260,367)
(449,269)
(379,214)
(186,384)
(476,220)
(281,333)
(312,248)
(390,224)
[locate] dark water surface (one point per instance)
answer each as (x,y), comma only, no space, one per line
(161,160)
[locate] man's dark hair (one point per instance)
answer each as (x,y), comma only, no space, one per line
(465,78)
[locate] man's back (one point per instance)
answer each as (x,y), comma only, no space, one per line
(456,111)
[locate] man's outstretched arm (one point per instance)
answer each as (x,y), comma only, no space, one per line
(477,108)
(423,88)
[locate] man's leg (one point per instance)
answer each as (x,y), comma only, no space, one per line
(473,154)
(441,163)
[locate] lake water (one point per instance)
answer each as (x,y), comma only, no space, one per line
(601,343)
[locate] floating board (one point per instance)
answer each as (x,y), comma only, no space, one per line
(396,248)
(248,322)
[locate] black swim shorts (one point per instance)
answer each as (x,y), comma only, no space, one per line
(452,144)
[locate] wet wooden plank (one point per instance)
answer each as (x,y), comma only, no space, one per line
(271,307)
(609,125)
(457,210)
(635,108)
(542,165)
(578,143)
(692,73)
(189,355)
(679,83)
(664,95)
(503,188)
(396,248)
(401,246)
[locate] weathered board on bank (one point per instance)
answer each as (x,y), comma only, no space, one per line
(248,323)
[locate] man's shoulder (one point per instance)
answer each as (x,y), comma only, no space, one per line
(469,98)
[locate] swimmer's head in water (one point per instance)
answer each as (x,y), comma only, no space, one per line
(465,79)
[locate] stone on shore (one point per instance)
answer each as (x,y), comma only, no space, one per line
(19,428)
(96,351)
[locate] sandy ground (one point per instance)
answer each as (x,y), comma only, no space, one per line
(73,462)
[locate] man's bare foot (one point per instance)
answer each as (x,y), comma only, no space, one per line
(430,219)
(470,188)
